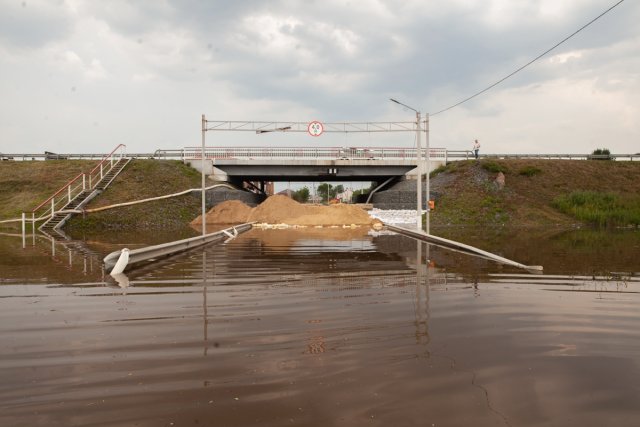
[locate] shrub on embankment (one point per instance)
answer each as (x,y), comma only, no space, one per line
(467,192)
(602,209)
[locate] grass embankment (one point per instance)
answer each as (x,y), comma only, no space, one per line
(143,179)
(24,185)
(603,209)
(537,192)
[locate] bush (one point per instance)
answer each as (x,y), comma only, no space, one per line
(603,209)
(438,170)
(494,167)
(529,171)
(601,154)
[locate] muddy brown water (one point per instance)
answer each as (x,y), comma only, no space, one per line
(324,329)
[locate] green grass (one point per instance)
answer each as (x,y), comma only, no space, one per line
(494,167)
(160,214)
(24,185)
(529,171)
(602,209)
(437,171)
(140,180)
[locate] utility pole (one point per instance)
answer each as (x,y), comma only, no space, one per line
(426,132)
(204,209)
(419,164)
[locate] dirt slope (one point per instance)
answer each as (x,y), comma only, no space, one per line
(24,185)
(466,192)
(144,179)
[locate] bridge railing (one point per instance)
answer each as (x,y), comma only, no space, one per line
(190,153)
(322,153)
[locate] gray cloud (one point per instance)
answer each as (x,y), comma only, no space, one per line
(129,61)
(31,24)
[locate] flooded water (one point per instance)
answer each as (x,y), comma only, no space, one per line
(303,328)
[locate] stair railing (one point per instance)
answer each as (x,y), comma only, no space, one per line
(106,164)
(82,182)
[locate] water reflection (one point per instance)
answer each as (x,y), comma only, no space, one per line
(121,279)
(352,329)
(47,259)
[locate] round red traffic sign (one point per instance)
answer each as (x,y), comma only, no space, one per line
(315,128)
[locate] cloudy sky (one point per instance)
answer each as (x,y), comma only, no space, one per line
(84,76)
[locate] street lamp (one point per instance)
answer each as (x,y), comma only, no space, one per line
(204,196)
(419,156)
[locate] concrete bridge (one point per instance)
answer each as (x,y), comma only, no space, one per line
(260,164)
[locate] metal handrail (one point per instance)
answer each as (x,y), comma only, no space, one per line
(333,153)
(69,191)
(179,154)
(98,170)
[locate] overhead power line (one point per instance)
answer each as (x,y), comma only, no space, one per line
(530,62)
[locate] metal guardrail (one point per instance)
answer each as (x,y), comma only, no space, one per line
(452,244)
(27,157)
(194,153)
(165,249)
(627,157)
(322,153)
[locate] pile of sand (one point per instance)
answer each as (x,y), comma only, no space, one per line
(228,212)
(280,209)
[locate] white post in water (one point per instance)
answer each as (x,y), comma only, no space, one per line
(122,262)
(204,211)
(24,235)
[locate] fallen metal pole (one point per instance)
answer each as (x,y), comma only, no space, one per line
(420,235)
(151,253)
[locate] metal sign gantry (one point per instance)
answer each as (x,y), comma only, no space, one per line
(316,128)
(341,127)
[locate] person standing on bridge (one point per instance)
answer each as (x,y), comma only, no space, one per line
(476,148)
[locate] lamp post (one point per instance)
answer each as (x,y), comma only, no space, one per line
(419,169)
(204,210)
(426,137)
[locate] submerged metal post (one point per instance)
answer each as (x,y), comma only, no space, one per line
(204,211)
(419,177)
(24,235)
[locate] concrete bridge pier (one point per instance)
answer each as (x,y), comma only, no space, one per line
(209,169)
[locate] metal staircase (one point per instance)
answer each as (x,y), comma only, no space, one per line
(59,218)
(111,175)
